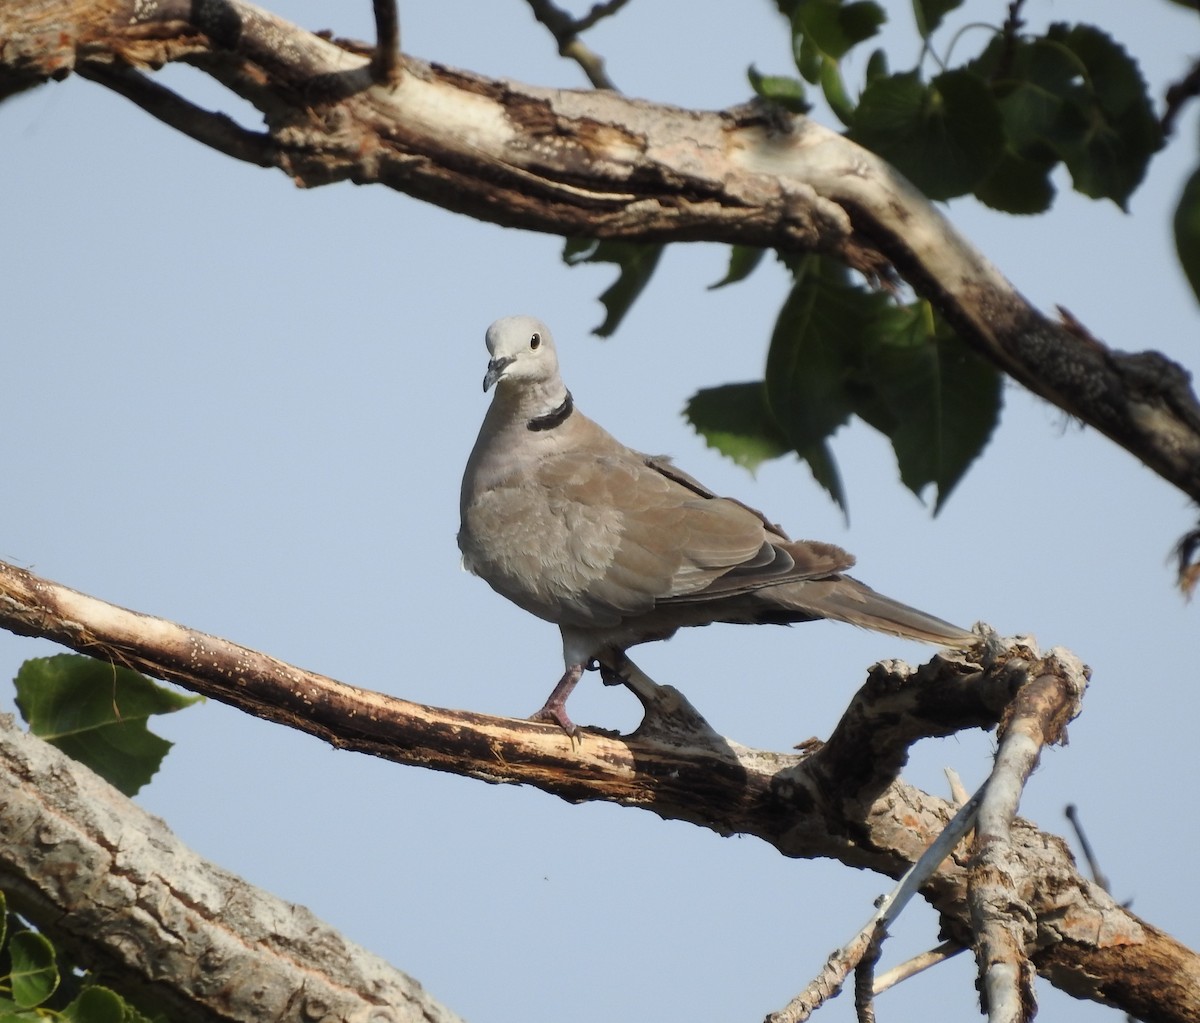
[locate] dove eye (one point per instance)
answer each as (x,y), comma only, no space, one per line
(535,341)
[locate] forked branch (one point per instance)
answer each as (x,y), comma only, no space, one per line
(803,805)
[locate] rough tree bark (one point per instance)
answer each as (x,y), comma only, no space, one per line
(842,801)
(600,165)
(129,900)
(595,164)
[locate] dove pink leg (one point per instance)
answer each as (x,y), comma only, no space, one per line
(555,707)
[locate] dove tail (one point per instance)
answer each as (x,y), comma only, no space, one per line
(847,600)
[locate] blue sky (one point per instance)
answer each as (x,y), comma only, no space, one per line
(246,407)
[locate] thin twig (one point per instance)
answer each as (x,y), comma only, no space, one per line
(385,62)
(837,968)
(1187,561)
(958,791)
(917,964)
(598,13)
(216,130)
(1089,854)
(566,31)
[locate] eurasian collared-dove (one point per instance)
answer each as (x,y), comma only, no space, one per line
(618,548)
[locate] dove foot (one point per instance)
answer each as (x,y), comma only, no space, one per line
(667,714)
(554,710)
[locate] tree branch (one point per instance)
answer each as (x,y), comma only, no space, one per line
(1085,943)
(385,61)
(597,164)
(566,31)
(1177,96)
(114,886)
(1003,922)
(862,951)
(216,130)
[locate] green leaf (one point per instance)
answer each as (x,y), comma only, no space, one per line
(936,400)
(734,419)
(945,137)
(96,713)
(929,14)
(96,1004)
(835,28)
(10,1011)
(783,90)
(34,974)
(1075,95)
(840,350)
(1187,231)
(1018,185)
(877,65)
(1109,115)
(808,57)
(815,350)
(823,467)
(743,261)
(836,95)
(637,263)
(1030,79)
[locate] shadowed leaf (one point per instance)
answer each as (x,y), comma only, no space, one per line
(98,1005)
(929,14)
(784,90)
(637,263)
(945,136)
(936,400)
(743,261)
(1187,231)
(734,419)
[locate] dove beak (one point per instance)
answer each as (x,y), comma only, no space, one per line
(496,370)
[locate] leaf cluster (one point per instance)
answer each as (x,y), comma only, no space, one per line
(840,350)
(96,713)
(36,985)
(998,124)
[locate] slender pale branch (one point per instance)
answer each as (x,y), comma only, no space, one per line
(866,943)
(1005,925)
(917,964)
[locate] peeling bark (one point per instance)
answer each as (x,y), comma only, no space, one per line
(805,805)
(595,164)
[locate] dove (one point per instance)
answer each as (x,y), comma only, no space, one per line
(619,548)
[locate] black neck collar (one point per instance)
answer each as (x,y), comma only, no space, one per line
(554,418)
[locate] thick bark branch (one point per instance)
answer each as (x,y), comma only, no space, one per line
(804,805)
(110,883)
(597,164)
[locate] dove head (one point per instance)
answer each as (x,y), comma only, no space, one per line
(522,350)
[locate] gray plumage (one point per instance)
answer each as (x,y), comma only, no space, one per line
(618,548)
